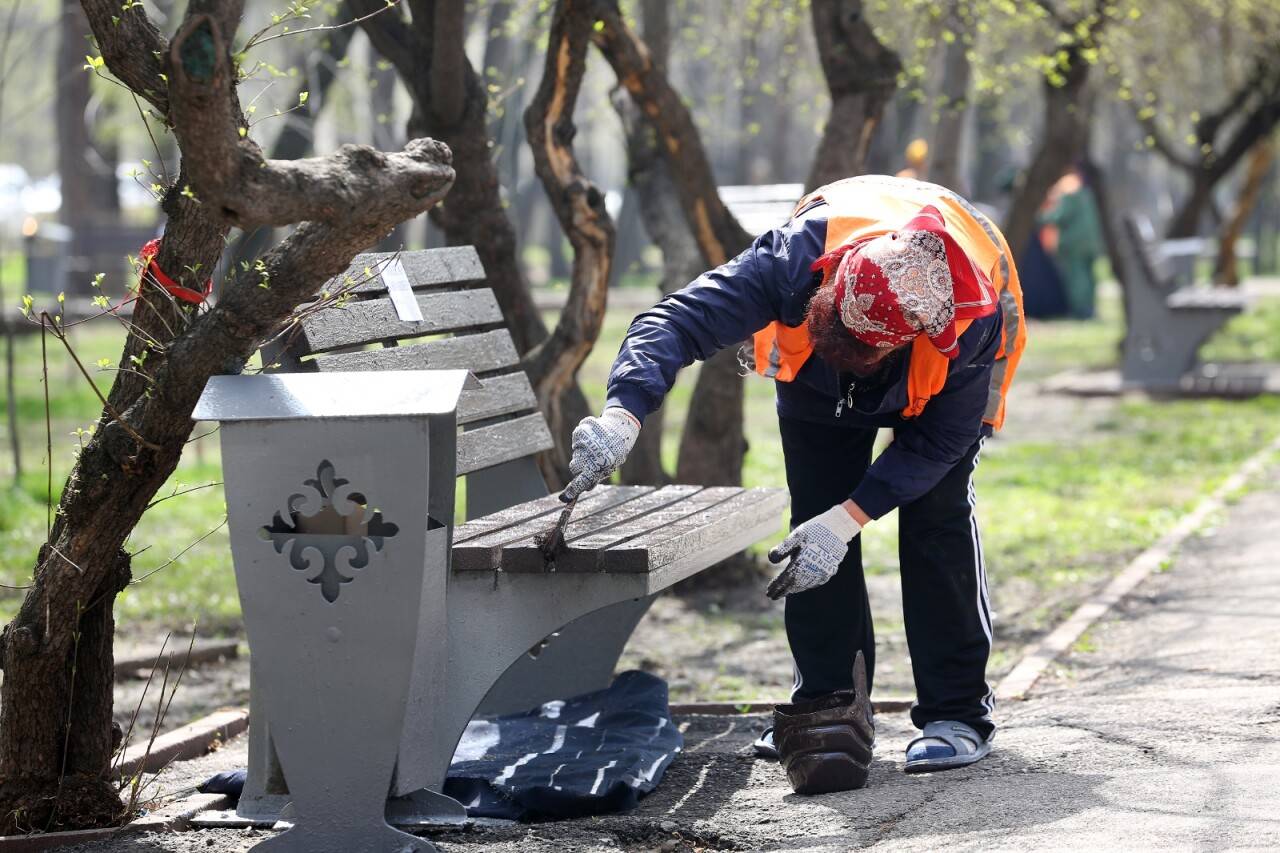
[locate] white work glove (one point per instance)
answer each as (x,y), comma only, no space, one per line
(600,445)
(816,549)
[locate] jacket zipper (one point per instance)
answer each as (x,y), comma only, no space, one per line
(847,398)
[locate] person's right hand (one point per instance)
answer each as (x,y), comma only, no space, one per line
(600,445)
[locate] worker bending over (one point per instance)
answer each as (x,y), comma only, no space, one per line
(882,302)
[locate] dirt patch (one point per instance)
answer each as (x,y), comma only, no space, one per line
(202,689)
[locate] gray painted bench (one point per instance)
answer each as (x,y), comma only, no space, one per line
(516,632)
(1168,321)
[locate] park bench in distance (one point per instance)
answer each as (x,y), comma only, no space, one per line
(759,207)
(1168,320)
(518,632)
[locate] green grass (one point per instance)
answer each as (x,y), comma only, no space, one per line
(1061,507)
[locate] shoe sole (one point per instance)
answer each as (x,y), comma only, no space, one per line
(825,773)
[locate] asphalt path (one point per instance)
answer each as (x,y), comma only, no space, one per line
(1160,732)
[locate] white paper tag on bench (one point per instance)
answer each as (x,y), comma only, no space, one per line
(397,282)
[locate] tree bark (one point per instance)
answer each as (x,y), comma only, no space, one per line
(1227,270)
(55,700)
(579,206)
(1068,111)
(953,99)
(862,75)
(75,166)
(649,176)
(1113,237)
(713,444)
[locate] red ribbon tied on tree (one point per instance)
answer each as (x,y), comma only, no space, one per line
(148,254)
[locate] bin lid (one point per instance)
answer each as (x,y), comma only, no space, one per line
(354,394)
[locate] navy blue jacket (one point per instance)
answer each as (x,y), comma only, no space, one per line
(770,281)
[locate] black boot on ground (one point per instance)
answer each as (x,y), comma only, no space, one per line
(825,744)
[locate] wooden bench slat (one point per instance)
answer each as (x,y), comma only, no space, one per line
(695,531)
(508,517)
(586,536)
(484,552)
(1199,298)
(453,265)
(583,551)
(492,445)
(498,395)
(479,353)
(376,320)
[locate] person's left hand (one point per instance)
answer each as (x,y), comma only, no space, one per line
(816,548)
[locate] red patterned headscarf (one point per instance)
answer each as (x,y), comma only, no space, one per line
(917,280)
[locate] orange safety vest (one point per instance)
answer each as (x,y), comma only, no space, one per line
(870,205)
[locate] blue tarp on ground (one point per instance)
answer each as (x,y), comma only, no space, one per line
(592,754)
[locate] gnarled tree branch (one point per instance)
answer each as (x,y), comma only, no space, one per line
(578,205)
(719,235)
(232,177)
(713,444)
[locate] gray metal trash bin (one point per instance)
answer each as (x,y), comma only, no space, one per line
(340,493)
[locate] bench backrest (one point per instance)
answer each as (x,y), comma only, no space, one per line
(461,327)
(1145,248)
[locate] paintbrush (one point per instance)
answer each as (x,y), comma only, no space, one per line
(551,541)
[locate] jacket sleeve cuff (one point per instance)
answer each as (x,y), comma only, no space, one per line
(874,497)
(630,398)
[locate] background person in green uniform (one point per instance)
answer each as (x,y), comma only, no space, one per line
(1072,212)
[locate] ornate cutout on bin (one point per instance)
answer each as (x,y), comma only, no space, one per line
(326,520)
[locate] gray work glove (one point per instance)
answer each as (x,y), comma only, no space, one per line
(816,548)
(600,445)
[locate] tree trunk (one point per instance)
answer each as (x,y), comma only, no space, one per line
(579,206)
(953,107)
(862,75)
(992,152)
(1112,235)
(55,699)
(1068,111)
(1227,270)
(713,443)
(75,169)
(649,176)
(1186,221)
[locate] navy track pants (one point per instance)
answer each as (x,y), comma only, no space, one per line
(944,589)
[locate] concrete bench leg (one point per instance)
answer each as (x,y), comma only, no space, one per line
(578,658)
(494,674)
(299,527)
(521,610)
(1160,350)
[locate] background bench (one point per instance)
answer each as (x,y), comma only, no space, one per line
(516,632)
(1169,319)
(760,207)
